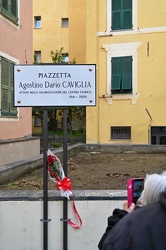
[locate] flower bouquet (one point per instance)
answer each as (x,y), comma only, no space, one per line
(56,174)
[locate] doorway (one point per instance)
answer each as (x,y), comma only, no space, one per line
(158,135)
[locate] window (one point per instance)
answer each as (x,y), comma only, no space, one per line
(121,132)
(121,14)
(158,135)
(9,8)
(37,22)
(65,57)
(121,81)
(65,22)
(37,121)
(37,57)
(6,80)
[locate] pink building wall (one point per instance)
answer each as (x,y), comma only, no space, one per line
(16,42)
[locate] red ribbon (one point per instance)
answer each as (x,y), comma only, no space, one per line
(78,216)
(64,184)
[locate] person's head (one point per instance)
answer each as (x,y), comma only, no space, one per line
(154,185)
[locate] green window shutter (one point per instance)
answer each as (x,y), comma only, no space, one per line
(116,21)
(116,5)
(127,73)
(5,71)
(4,86)
(126,81)
(127,19)
(116,14)
(121,14)
(10,9)
(7,108)
(116,73)
(126,14)
(121,81)
(4,100)
(14,8)
(5,4)
(12,109)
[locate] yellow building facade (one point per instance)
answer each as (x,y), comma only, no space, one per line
(58,24)
(126,41)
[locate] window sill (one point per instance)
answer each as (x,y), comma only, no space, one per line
(132,97)
(8,118)
(132,31)
(121,140)
(116,32)
(12,21)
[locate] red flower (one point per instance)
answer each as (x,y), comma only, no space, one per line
(64,184)
(51,159)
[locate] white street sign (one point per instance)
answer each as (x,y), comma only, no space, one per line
(54,85)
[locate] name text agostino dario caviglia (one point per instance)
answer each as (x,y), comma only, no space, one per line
(54,81)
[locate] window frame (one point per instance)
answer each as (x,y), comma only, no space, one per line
(37,121)
(122,50)
(37,56)
(37,20)
(7,12)
(120,132)
(65,22)
(65,57)
(119,17)
(158,133)
(121,74)
(109,18)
